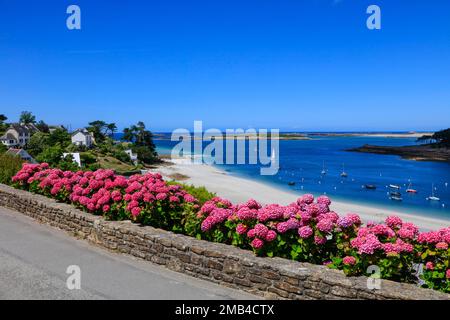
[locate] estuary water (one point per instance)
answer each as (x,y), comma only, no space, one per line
(302,163)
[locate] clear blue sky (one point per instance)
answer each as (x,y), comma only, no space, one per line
(293,65)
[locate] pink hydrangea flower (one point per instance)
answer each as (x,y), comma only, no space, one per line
(271,236)
(241,228)
(442,245)
(394,222)
(257,243)
(305,232)
(349,260)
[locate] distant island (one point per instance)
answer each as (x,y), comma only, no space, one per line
(436,148)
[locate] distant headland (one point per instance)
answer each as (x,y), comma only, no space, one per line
(436,148)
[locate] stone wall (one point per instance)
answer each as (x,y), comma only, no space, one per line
(273,278)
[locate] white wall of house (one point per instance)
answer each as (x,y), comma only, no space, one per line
(133,156)
(82,139)
(75,156)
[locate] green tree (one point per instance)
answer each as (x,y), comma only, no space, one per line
(37,143)
(442,137)
(3,125)
(42,126)
(52,155)
(3,148)
(111,128)
(9,166)
(142,140)
(27,117)
(67,163)
(97,128)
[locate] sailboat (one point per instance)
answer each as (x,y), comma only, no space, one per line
(410,189)
(433,197)
(344,174)
(324,172)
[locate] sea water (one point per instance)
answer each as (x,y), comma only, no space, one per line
(301,162)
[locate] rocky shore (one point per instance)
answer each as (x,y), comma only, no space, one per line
(419,153)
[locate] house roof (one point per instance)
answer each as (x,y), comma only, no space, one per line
(7,136)
(23,128)
(14,151)
(83,131)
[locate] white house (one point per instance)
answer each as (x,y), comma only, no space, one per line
(21,153)
(75,156)
(82,137)
(133,156)
(18,135)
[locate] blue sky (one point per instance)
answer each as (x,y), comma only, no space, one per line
(294,65)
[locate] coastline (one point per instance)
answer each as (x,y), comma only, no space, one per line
(417,153)
(238,189)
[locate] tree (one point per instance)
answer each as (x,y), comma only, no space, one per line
(41,141)
(97,128)
(442,137)
(142,140)
(111,128)
(42,126)
(52,155)
(3,125)
(37,143)
(27,117)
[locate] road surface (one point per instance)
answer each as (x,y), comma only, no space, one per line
(34,259)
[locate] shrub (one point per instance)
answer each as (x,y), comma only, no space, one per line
(306,230)
(147,199)
(9,165)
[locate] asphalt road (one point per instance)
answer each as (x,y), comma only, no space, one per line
(34,259)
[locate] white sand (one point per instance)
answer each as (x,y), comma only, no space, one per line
(239,190)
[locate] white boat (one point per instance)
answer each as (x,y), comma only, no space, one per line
(433,197)
(410,189)
(324,172)
(344,174)
(394,186)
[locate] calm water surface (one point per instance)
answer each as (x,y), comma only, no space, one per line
(301,161)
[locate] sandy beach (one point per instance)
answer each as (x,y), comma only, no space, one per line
(238,189)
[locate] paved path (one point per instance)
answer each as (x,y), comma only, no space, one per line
(34,259)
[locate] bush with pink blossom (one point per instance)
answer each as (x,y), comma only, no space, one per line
(306,230)
(147,199)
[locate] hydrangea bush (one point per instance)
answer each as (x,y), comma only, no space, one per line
(147,199)
(306,230)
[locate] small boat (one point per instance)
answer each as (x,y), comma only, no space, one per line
(323,172)
(410,189)
(396,194)
(291,183)
(344,174)
(370,186)
(394,186)
(433,197)
(396,198)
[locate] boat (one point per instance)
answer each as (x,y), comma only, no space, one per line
(291,183)
(396,194)
(370,186)
(433,197)
(396,198)
(323,172)
(394,186)
(410,189)
(344,174)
